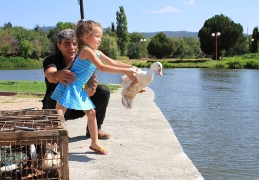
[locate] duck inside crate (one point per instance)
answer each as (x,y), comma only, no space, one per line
(33,145)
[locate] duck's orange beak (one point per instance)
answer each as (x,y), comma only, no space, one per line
(160,72)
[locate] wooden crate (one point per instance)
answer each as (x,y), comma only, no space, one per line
(34,145)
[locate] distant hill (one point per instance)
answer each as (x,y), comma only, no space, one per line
(172,34)
(148,34)
(47,28)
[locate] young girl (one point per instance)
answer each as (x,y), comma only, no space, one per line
(73,96)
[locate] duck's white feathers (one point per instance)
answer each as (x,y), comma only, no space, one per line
(130,89)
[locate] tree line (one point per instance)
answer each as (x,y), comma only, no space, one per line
(117,41)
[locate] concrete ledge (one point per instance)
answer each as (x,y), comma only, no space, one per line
(142,145)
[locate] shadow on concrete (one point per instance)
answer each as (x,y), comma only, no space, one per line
(77,138)
(80,156)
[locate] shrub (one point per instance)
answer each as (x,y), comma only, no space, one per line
(251,64)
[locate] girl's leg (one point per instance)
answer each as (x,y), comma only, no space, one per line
(59,106)
(92,126)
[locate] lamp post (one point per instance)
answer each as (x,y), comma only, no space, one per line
(81,3)
(143,41)
(217,34)
(250,49)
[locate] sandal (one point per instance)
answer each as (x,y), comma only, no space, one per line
(102,151)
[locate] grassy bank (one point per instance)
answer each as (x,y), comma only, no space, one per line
(32,88)
(246,61)
(19,63)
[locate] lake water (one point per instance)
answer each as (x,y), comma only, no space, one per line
(214,114)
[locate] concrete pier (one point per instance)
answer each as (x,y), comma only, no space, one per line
(142,144)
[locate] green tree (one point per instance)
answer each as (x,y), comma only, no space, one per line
(113,27)
(8,25)
(255,37)
(192,47)
(241,47)
(18,41)
(37,49)
(122,31)
(8,43)
(229,33)
(65,25)
(110,33)
(180,47)
(21,33)
(41,46)
(109,46)
(26,48)
(37,28)
(134,50)
(5,49)
(135,46)
(161,46)
(38,40)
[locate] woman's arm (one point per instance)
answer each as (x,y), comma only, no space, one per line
(64,76)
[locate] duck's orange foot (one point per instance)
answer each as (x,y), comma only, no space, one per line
(141,91)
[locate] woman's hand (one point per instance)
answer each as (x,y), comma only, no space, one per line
(90,92)
(91,85)
(65,76)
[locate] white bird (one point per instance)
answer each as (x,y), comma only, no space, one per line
(52,159)
(33,154)
(130,89)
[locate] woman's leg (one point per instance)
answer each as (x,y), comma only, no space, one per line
(101,99)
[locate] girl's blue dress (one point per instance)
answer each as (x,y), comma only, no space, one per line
(73,96)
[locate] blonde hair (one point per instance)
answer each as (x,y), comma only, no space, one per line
(85,27)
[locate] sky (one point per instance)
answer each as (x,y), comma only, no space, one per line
(142,15)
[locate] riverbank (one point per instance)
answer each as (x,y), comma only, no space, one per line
(245,61)
(142,144)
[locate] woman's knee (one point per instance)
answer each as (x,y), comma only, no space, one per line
(104,91)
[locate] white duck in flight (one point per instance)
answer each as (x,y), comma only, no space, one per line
(130,88)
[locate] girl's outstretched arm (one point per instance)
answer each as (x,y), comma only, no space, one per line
(112,62)
(88,53)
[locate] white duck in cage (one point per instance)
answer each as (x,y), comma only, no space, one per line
(51,159)
(45,156)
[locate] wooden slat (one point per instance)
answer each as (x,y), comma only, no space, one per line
(20,135)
